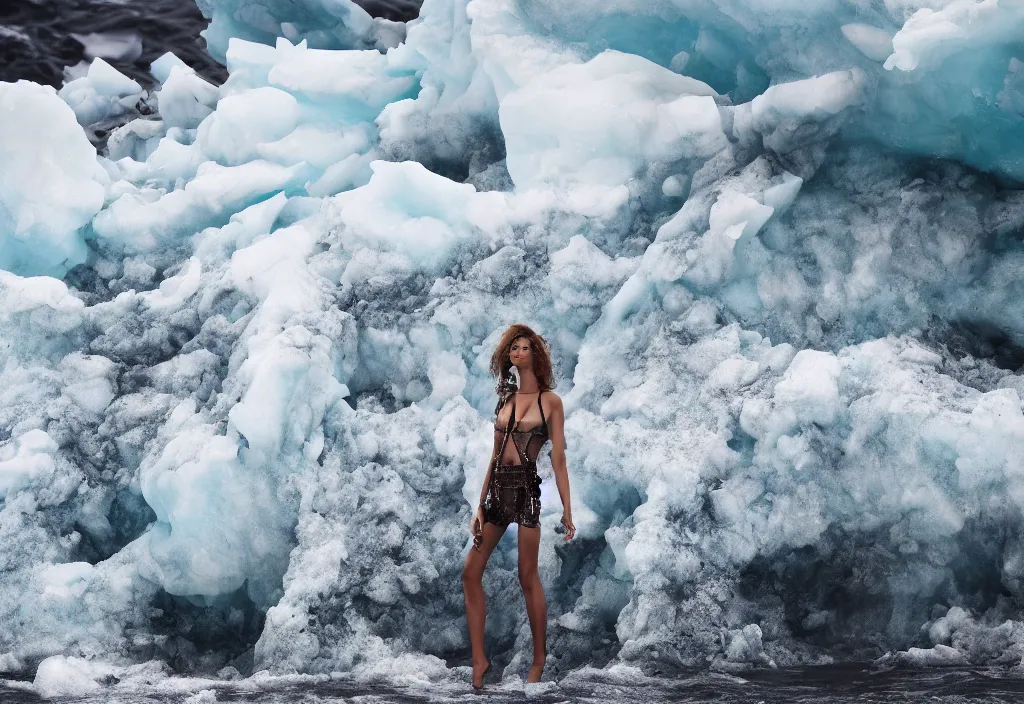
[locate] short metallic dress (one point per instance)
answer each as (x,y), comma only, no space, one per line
(513,492)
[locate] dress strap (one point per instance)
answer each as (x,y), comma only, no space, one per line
(508,429)
(543,420)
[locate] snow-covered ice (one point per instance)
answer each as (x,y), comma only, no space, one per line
(775,249)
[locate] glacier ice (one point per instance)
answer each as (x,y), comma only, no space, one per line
(51,185)
(102,93)
(337,24)
(775,248)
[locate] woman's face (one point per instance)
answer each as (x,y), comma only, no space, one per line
(521,353)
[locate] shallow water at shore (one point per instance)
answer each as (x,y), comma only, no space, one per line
(810,685)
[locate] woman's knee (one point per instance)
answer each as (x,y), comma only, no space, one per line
(471,573)
(528,578)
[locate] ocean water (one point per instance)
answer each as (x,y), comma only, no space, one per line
(37,42)
(854,682)
(39,38)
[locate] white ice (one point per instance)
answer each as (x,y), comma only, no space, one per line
(244,400)
(51,184)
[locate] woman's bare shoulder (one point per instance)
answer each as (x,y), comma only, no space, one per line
(551,400)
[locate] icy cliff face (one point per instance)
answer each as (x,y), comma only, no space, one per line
(775,248)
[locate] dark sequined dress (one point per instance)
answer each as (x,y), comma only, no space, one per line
(513,492)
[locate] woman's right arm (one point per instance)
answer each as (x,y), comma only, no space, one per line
(476,525)
(490,462)
(490,467)
(487,478)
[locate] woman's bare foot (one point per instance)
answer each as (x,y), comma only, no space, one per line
(535,672)
(479,670)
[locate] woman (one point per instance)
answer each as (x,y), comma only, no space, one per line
(525,418)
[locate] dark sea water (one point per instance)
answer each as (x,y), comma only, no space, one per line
(36,41)
(831,684)
(37,37)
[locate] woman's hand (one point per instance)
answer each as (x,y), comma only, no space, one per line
(476,527)
(570,529)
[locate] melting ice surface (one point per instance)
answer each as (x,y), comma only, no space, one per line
(775,247)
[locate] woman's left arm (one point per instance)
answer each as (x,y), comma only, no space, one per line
(556,427)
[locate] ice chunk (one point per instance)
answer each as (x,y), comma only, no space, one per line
(60,676)
(89,381)
(317,146)
(567,125)
(340,24)
(359,80)
(9,663)
(407,209)
(204,496)
(185,99)
(679,62)
(50,183)
(745,646)
(68,580)
(26,459)
(136,140)
(810,388)
(784,113)
(142,222)
(19,294)
(108,81)
(175,290)
(930,36)
(582,277)
(734,219)
(500,270)
(245,120)
(937,655)
(455,112)
(104,92)
(873,42)
(163,65)
(673,186)
(118,46)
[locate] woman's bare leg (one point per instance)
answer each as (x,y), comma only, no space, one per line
(473,588)
(533,591)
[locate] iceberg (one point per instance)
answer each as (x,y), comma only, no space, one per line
(52,184)
(245,407)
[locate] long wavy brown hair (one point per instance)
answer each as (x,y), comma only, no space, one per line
(501,365)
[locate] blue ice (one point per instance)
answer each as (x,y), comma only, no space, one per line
(774,248)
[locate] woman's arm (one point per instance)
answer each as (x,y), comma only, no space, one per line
(487,476)
(556,425)
(490,462)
